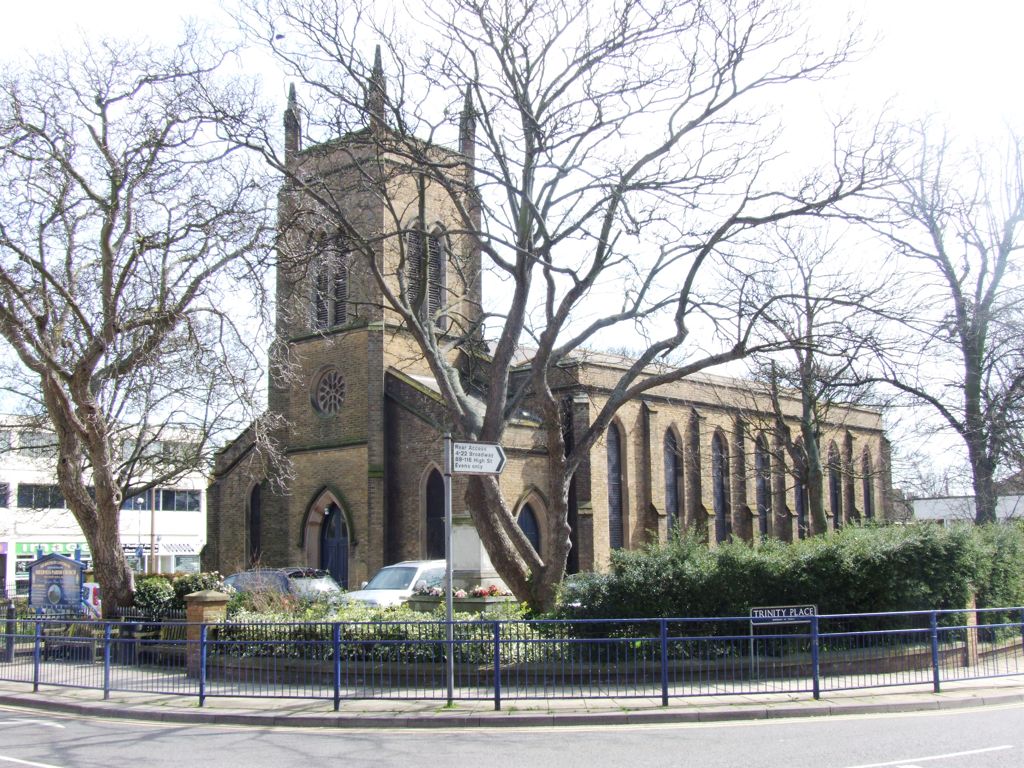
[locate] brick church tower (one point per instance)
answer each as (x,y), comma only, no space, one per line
(349,208)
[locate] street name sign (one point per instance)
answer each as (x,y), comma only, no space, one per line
(783,614)
(477,459)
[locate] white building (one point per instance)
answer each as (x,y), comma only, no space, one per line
(953,509)
(170,521)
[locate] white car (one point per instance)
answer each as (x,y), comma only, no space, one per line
(394,584)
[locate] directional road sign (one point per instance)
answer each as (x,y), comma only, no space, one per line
(477,459)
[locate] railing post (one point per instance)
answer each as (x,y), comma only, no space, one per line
(336,646)
(815,667)
(497,666)
(36,653)
(664,633)
(11,626)
(933,623)
(1022,629)
(106,660)
(202,664)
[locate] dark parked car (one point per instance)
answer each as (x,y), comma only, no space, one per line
(307,583)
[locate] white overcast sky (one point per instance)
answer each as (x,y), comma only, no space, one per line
(955,60)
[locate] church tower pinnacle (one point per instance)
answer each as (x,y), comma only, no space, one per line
(467,128)
(376,93)
(292,126)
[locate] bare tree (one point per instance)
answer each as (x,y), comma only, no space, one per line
(956,223)
(125,220)
(609,157)
(831,312)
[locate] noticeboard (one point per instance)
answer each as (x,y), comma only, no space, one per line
(55,584)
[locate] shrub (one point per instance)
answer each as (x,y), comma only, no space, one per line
(1000,576)
(371,634)
(855,570)
(153,595)
(187,583)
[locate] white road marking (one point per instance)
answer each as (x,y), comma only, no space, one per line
(28,762)
(26,721)
(908,763)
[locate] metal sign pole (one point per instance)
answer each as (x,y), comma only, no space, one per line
(449,585)
(463,458)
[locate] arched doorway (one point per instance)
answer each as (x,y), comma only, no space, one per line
(334,544)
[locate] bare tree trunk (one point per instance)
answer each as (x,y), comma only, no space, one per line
(815,479)
(110,567)
(975,430)
(985,498)
(532,580)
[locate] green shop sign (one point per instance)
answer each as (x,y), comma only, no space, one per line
(50,547)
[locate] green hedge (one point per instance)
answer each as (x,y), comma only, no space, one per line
(156,594)
(855,570)
(369,634)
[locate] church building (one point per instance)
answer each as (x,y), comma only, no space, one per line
(355,412)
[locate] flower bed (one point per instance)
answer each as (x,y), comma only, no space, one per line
(478,605)
(478,600)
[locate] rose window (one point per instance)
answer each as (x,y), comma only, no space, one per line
(329,393)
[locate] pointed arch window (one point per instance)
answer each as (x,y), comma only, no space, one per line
(801,507)
(616,528)
(835,486)
(802,497)
(528,525)
(426,256)
(720,486)
(672,478)
(694,481)
(330,290)
(435,544)
(763,486)
(255,524)
(868,479)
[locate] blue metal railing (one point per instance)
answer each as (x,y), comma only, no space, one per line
(515,660)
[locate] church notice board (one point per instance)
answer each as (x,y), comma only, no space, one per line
(55,584)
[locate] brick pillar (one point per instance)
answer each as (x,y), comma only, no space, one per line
(206,607)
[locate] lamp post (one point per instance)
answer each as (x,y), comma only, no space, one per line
(154,564)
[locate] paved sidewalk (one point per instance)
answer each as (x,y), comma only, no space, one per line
(433,714)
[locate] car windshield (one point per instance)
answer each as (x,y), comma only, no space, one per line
(308,573)
(257,581)
(313,587)
(396,577)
